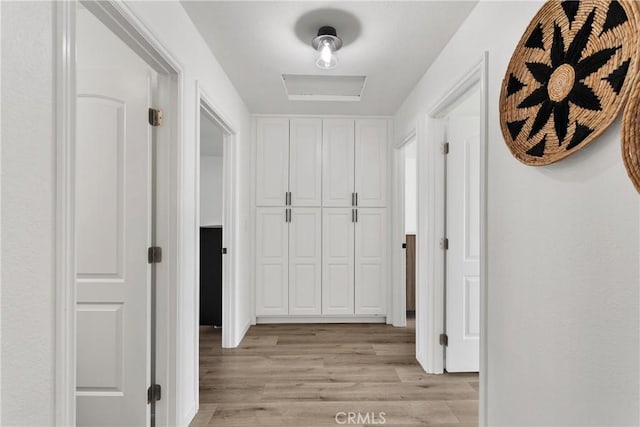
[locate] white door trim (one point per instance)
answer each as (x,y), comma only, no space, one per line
(121,20)
(65,403)
(430,265)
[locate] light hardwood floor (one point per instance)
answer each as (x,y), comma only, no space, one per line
(303,375)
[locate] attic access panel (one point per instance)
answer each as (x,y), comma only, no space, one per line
(323,88)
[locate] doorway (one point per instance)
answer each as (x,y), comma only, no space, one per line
(114,194)
(211,230)
(215,318)
(116,177)
(433,132)
(410,151)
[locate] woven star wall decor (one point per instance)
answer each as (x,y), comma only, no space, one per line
(569,77)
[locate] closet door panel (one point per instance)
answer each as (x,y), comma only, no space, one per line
(272,161)
(371,261)
(337,162)
(305,165)
(337,261)
(272,259)
(305,261)
(371,162)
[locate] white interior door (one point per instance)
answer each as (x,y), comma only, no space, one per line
(305,166)
(370,261)
(371,162)
(337,162)
(338,260)
(305,261)
(272,258)
(113,230)
(463,256)
(272,161)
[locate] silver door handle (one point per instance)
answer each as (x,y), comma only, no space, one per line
(353,215)
(356,205)
(356,215)
(353,199)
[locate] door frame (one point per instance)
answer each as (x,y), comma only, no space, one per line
(119,18)
(229,210)
(431,263)
(398,253)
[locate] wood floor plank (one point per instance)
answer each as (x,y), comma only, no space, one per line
(466,411)
(303,375)
(366,391)
(324,413)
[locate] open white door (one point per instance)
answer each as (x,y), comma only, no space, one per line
(463,256)
(113,229)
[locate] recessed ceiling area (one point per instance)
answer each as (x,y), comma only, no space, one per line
(392,43)
(323,88)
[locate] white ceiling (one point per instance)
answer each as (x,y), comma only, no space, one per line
(391,42)
(211,136)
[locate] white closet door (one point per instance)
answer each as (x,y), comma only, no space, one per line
(463,256)
(113,223)
(272,256)
(370,261)
(272,161)
(337,162)
(371,162)
(305,261)
(305,165)
(337,260)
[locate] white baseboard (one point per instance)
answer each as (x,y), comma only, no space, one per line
(190,415)
(321,319)
(243,332)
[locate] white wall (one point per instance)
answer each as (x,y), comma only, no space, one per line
(28,225)
(210,190)
(563,256)
(0,226)
(28,172)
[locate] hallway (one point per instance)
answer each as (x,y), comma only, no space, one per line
(303,375)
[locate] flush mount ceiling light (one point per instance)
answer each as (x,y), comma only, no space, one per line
(327,43)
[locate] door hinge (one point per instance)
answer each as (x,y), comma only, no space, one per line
(445,148)
(444,243)
(154,255)
(404,246)
(154,393)
(444,340)
(223,251)
(155,117)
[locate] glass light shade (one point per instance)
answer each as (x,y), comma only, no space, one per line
(327,57)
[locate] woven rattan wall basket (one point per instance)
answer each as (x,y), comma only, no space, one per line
(568,78)
(631,136)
